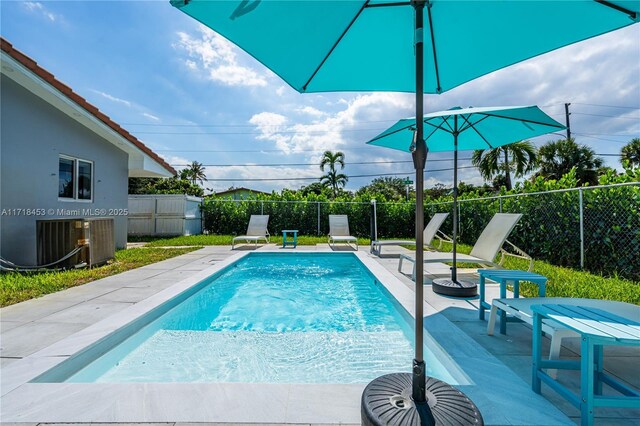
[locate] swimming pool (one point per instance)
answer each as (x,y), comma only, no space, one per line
(268,318)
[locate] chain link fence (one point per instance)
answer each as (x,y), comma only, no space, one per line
(593,228)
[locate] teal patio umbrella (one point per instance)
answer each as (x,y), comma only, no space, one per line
(406,46)
(461,129)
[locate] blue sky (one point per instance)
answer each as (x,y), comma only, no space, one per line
(190,95)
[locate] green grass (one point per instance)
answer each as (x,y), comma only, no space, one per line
(20,286)
(567,282)
(221,240)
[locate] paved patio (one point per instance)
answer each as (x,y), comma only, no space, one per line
(36,326)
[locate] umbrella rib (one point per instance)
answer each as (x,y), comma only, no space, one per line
(472,126)
(384,135)
(433,48)
(524,120)
(467,119)
(364,5)
(440,127)
(395,3)
(632,15)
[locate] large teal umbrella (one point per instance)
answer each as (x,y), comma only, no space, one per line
(461,129)
(412,46)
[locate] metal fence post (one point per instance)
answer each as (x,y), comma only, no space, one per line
(581,229)
(500,199)
(262,207)
(375,220)
(318,202)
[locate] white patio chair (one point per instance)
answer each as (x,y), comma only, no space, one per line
(257,230)
(484,252)
(431,231)
(339,230)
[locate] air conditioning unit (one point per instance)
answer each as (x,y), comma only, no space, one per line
(58,237)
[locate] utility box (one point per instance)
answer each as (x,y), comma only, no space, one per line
(57,238)
(164,215)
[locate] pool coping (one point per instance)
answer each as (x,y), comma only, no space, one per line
(245,402)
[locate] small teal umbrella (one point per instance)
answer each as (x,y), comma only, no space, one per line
(405,46)
(461,129)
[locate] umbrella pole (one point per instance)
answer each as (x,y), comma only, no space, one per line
(419,160)
(454,269)
(454,287)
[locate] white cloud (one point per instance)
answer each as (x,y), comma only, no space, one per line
(309,110)
(112,98)
(336,129)
(217,59)
(37,7)
(150,116)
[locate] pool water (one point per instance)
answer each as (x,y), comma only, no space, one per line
(273,318)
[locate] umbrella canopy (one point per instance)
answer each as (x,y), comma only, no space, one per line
(319,46)
(412,46)
(477,128)
(358,45)
(466,129)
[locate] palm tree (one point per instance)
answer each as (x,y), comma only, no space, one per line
(195,172)
(630,153)
(558,158)
(333,179)
(518,157)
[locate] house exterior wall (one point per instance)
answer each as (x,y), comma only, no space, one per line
(33,135)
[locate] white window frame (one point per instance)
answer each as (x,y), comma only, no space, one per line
(76,178)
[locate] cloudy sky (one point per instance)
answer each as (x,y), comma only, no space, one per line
(190,95)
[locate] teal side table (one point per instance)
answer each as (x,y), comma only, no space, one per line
(286,242)
(502,276)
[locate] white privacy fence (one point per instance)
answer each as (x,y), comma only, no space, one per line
(164,215)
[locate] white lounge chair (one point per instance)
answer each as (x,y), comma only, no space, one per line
(256,231)
(521,309)
(339,230)
(489,243)
(431,231)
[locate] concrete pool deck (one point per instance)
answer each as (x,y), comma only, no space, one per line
(40,333)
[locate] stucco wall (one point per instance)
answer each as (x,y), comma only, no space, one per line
(32,137)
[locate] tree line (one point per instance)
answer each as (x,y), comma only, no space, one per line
(499,167)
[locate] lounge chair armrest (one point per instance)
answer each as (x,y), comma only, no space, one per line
(442,237)
(518,252)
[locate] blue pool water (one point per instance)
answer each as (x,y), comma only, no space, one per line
(276,318)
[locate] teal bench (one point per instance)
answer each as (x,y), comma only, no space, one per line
(597,328)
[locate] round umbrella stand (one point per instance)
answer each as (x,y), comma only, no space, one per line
(387,401)
(454,288)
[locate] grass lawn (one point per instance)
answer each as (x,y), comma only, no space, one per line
(222,240)
(20,286)
(567,282)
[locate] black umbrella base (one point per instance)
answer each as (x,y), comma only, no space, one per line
(458,288)
(387,401)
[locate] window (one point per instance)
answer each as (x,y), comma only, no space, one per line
(84,180)
(75,179)
(65,178)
